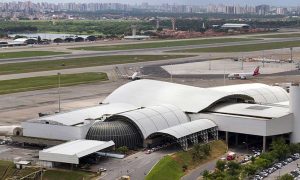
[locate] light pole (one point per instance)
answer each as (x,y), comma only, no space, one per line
(58,74)
(224,80)
(171,73)
(291,58)
(263,58)
(291,54)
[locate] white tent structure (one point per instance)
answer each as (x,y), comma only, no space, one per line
(72,151)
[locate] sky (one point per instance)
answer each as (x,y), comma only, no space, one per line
(188,2)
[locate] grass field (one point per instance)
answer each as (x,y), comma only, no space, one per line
(279,35)
(66,175)
(244,48)
(166,169)
(161,44)
(170,167)
(46,82)
(24,67)
(23,54)
(8,170)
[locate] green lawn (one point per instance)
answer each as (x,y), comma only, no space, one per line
(279,35)
(161,44)
(244,48)
(67,175)
(166,169)
(23,54)
(24,67)
(8,170)
(170,167)
(46,82)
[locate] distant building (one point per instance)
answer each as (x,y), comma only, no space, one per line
(262,9)
(281,11)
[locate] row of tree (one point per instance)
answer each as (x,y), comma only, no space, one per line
(117,28)
(279,150)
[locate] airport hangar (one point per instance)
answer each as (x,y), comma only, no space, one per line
(149,112)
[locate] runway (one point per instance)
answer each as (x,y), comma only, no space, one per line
(147,51)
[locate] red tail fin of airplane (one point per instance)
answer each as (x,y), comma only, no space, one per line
(256,71)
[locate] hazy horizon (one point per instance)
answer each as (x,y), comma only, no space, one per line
(187,2)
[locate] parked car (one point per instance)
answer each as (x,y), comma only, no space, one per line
(257,177)
(279,165)
(263,174)
(289,160)
(231,156)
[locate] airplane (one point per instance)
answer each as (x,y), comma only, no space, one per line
(244,76)
(135,76)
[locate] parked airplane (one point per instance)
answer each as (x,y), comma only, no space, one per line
(244,75)
(135,76)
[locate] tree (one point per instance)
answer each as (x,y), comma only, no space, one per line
(69,39)
(184,167)
(221,165)
(294,148)
(205,174)
(280,148)
(206,149)
(91,38)
(286,177)
(262,163)
(123,150)
(197,152)
(233,168)
(31,41)
(39,39)
(270,156)
(58,40)
(79,39)
(159,29)
(249,169)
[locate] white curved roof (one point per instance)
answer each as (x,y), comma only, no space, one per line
(261,93)
(155,118)
(189,128)
(78,116)
(254,110)
(144,93)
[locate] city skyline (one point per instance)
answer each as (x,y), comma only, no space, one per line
(187,2)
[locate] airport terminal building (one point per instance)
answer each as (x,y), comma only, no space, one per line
(144,113)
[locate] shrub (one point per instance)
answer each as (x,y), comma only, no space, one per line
(184,167)
(220,165)
(286,177)
(205,174)
(123,150)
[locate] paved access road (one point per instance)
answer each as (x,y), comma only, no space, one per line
(136,166)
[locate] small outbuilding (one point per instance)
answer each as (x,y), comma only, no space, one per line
(72,151)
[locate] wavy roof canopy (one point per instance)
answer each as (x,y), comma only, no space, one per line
(189,128)
(145,93)
(153,119)
(261,93)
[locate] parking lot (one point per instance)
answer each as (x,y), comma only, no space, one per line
(284,170)
(280,168)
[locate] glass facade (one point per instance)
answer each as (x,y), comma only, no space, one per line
(121,132)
